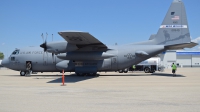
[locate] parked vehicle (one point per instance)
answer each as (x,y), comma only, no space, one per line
(148,66)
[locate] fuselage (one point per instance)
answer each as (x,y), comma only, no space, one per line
(120,57)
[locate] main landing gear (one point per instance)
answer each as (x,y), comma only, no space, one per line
(125,70)
(28,70)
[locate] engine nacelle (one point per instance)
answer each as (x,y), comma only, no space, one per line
(58,47)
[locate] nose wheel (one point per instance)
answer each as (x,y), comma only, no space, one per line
(22,73)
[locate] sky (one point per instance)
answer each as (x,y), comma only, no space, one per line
(111,21)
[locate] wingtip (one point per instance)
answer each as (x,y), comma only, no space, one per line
(70,31)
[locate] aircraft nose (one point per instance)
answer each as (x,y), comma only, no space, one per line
(5,62)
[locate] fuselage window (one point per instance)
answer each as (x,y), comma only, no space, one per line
(12,58)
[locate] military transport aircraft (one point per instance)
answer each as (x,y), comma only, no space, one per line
(84,54)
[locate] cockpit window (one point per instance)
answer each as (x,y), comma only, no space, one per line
(15,52)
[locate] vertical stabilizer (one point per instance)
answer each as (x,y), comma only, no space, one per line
(174,28)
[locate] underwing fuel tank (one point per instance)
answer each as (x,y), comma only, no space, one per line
(79,56)
(63,65)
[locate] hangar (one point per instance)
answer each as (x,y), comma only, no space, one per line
(181,58)
(0,63)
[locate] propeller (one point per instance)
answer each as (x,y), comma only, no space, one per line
(44,45)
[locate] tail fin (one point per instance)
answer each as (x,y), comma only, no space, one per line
(174,29)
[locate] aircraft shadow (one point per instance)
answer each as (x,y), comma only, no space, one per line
(167,75)
(153,74)
(72,78)
(125,75)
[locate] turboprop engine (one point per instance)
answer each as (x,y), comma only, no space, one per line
(58,47)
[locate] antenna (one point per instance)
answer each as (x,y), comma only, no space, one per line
(52,37)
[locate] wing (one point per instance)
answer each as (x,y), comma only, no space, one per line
(84,41)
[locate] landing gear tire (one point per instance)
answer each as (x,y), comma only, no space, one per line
(146,70)
(121,71)
(22,73)
(125,70)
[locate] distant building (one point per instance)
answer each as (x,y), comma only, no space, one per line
(0,63)
(181,58)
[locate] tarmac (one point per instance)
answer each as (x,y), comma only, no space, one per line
(108,92)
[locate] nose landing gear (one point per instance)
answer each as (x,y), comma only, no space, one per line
(28,70)
(22,73)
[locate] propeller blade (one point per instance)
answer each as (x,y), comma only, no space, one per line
(42,37)
(53,57)
(46,36)
(44,45)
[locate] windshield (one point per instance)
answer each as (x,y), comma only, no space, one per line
(15,52)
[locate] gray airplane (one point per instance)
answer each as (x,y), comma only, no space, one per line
(84,54)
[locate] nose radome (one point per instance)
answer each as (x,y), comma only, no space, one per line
(5,62)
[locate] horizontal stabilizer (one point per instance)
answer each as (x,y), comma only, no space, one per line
(180,46)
